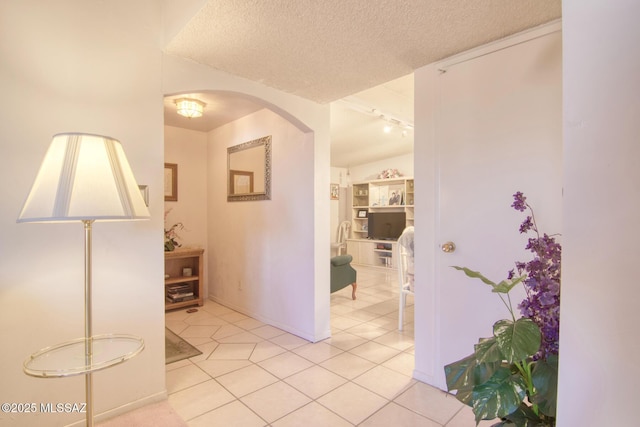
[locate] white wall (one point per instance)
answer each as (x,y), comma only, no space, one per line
(177,13)
(599,312)
(74,65)
(260,263)
(339,176)
(188,149)
(369,171)
(340,209)
(308,198)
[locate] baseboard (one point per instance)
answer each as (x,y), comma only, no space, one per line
(423,377)
(127,407)
(286,328)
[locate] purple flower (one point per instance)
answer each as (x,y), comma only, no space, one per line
(526,225)
(519,202)
(547,298)
(542,284)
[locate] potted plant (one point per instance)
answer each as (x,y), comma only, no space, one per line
(171,235)
(512,376)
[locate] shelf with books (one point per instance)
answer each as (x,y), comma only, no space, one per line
(184,273)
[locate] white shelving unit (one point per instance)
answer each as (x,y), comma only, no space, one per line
(381,195)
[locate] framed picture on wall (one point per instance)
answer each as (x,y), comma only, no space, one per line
(335,191)
(170,182)
(144,192)
(241,182)
(396,195)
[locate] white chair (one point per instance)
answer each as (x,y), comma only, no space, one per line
(340,244)
(404,253)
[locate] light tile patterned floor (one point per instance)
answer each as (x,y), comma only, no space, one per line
(252,374)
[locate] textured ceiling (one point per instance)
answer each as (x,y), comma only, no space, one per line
(358,137)
(326,50)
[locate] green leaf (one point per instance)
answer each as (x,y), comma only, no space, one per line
(506,285)
(465,395)
(488,360)
(475,275)
(503,287)
(487,350)
(473,370)
(523,417)
(517,340)
(459,375)
(498,397)
(545,382)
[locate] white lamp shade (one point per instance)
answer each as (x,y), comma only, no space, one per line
(84,177)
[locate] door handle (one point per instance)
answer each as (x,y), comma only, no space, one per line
(448,247)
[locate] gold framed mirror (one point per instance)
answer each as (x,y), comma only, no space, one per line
(249,170)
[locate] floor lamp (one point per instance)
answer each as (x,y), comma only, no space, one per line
(84,178)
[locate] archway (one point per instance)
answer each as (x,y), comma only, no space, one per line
(260,256)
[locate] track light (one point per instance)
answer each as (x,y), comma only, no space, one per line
(391,122)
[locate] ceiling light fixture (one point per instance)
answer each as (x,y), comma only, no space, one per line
(189,108)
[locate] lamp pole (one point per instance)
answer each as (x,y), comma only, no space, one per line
(88,333)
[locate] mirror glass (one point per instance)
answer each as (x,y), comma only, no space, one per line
(249,170)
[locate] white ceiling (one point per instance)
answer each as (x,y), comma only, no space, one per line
(220,108)
(329,50)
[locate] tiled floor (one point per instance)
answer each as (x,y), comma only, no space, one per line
(252,374)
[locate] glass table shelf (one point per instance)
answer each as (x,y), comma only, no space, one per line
(69,358)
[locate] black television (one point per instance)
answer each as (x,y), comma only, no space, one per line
(386,225)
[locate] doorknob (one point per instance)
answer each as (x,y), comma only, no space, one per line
(448,247)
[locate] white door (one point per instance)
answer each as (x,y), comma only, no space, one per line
(499,130)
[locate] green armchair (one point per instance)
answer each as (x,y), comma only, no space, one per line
(342,274)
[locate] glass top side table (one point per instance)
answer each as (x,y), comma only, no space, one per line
(70,358)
